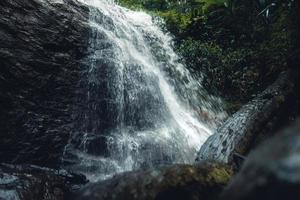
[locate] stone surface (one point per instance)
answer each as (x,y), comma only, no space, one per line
(272,171)
(203,181)
(42,44)
(237,134)
(28,182)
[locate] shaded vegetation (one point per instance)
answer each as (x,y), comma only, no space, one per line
(241,46)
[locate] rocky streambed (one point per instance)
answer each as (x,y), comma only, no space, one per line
(270,172)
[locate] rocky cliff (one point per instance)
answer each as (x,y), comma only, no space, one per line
(42,43)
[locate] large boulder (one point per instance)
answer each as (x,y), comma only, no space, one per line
(203,181)
(42,44)
(272,171)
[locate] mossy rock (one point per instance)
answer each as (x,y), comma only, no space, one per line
(203,181)
(271,171)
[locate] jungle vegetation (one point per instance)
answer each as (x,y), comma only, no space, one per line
(240,46)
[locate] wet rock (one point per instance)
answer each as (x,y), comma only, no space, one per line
(42,43)
(203,181)
(28,182)
(238,133)
(272,171)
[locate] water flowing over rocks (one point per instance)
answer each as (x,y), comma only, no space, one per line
(89,86)
(140,104)
(238,133)
(42,43)
(97,89)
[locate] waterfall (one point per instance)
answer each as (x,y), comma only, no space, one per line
(140,107)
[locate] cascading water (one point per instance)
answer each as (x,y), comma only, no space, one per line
(140,106)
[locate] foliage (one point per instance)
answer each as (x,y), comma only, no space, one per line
(176,22)
(239,45)
(230,70)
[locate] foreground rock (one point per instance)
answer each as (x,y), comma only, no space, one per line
(237,134)
(35,183)
(272,171)
(42,43)
(204,181)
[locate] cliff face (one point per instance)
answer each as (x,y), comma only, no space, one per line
(42,44)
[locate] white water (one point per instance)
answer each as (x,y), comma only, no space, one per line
(143,108)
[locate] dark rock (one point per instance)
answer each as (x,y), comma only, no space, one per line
(28,182)
(272,171)
(42,43)
(203,181)
(262,114)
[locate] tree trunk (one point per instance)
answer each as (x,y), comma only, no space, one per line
(238,133)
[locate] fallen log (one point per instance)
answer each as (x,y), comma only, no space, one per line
(203,181)
(237,134)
